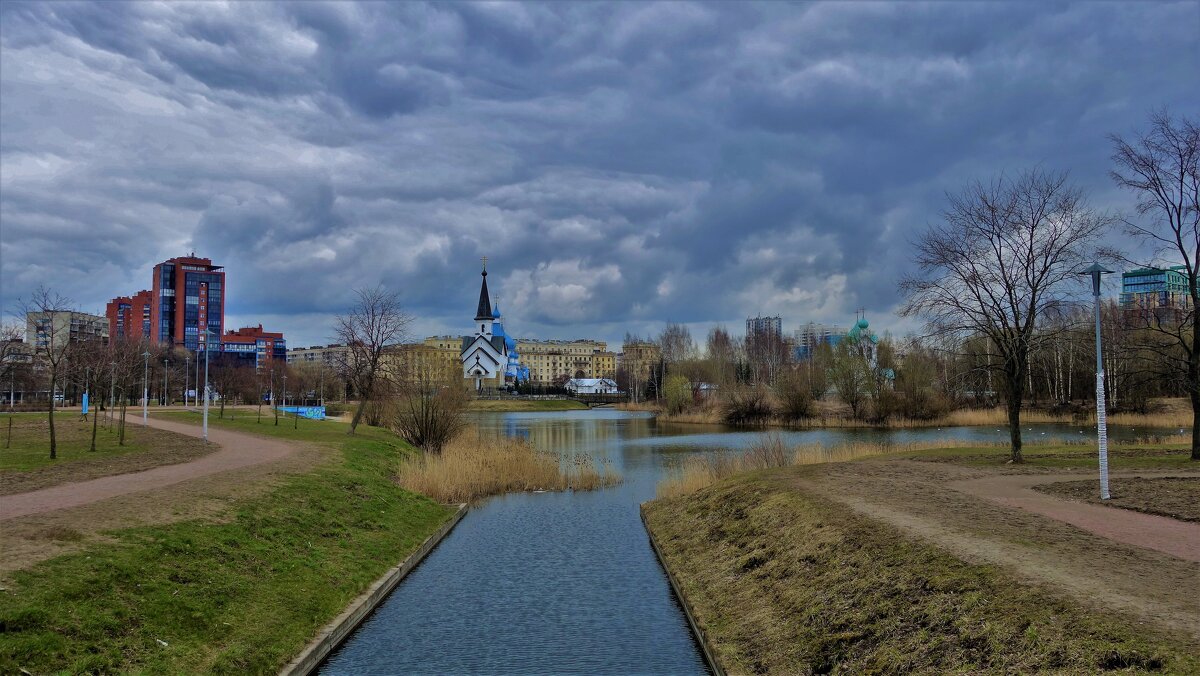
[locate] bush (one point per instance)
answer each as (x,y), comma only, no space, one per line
(334,410)
(745,406)
(794,396)
(429,416)
(678,393)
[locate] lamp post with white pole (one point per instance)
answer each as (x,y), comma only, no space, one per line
(1101,419)
(186,362)
(145,388)
(206,347)
(166,363)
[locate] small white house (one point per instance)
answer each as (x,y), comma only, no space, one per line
(591,386)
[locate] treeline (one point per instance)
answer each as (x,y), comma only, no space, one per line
(750,380)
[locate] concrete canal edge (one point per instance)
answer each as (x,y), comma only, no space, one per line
(706,648)
(334,633)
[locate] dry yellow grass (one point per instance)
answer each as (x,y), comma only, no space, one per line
(473,466)
(968,417)
(702,471)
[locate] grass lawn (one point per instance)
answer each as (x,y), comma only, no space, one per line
(233,597)
(30,447)
(783,581)
(523,405)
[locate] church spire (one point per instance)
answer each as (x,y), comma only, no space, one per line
(484,313)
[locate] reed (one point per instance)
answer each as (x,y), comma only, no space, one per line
(473,466)
(967,417)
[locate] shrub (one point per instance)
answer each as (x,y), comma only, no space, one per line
(745,406)
(794,396)
(678,393)
(334,410)
(428,416)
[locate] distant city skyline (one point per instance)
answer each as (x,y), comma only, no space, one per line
(620,165)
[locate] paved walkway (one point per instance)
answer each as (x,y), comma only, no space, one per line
(237,450)
(1171,536)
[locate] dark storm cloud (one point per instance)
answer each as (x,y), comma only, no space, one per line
(620,164)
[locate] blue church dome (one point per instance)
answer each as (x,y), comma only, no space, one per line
(496,312)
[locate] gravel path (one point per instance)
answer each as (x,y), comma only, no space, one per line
(237,450)
(1170,536)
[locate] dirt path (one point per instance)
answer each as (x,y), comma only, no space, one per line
(1170,536)
(237,450)
(927,500)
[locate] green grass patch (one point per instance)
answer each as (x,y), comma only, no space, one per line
(784,582)
(30,445)
(526,405)
(236,597)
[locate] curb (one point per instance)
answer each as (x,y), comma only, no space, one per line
(706,648)
(337,631)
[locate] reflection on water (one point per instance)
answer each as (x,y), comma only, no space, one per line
(567,582)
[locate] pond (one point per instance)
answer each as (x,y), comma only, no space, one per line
(542,583)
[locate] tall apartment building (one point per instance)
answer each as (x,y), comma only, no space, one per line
(812,335)
(130,316)
(772,325)
(188,297)
(549,360)
(1160,292)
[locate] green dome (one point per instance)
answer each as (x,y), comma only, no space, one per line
(862,323)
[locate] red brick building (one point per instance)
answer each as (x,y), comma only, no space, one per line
(265,346)
(130,316)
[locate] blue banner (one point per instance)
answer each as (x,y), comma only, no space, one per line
(310,412)
(85,403)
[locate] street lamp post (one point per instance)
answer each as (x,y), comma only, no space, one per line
(145,388)
(166,363)
(1101,418)
(206,347)
(186,365)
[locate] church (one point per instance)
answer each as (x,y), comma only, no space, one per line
(489,356)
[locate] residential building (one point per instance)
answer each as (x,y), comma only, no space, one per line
(812,335)
(43,329)
(253,345)
(638,357)
(188,297)
(129,316)
(1155,292)
(430,361)
(333,356)
(550,360)
(770,325)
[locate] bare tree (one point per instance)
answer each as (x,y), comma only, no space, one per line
(375,322)
(722,354)
(44,312)
(1160,167)
(1007,252)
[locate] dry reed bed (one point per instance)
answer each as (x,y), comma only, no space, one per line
(473,466)
(970,417)
(701,471)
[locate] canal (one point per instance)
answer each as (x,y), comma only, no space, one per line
(541,583)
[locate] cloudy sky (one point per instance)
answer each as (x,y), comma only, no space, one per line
(620,165)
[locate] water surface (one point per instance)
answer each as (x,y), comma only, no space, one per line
(557,583)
